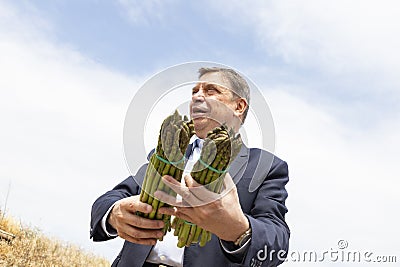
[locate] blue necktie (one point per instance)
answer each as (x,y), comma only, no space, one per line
(191,148)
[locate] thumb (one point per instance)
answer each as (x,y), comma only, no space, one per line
(134,204)
(228,182)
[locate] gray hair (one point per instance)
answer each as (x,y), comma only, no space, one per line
(238,83)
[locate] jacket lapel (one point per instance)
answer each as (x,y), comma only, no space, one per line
(239,164)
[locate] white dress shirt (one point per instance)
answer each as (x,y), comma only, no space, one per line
(166,251)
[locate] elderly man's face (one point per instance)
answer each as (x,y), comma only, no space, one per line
(213,104)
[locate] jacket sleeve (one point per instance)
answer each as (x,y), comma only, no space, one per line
(127,188)
(270,234)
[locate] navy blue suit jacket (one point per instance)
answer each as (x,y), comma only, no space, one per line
(264,207)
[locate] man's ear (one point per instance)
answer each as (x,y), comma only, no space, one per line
(241,105)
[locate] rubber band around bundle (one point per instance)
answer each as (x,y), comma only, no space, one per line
(213,169)
(189,223)
(170,162)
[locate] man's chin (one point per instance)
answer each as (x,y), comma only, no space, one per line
(202,124)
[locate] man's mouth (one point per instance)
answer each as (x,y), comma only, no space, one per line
(199,112)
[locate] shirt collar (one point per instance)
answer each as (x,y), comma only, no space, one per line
(199,143)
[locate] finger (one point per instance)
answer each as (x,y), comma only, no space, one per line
(143,241)
(192,196)
(171,180)
(138,233)
(144,223)
(164,197)
(167,210)
(180,213)
(134,204)
(204,195)
(180,190)
(147,241)
(127,218)
(190,182)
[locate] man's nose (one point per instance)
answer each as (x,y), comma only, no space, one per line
(199,95)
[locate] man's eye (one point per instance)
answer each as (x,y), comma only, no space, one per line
(212,89)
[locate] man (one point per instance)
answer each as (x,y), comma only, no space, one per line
(248,228)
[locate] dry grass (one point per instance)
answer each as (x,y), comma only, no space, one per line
(31,248)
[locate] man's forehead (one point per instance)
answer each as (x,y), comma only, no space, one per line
(215,78)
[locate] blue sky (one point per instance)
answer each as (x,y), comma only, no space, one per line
(126,36)
(329,71)
(140,38)
(109,35)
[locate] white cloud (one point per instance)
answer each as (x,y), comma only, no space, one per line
(336,37)
(61,139)
(144,12)
(343,181)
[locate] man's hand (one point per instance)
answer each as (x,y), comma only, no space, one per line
(134,228)
(220,214)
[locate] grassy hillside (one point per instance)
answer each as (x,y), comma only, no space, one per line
(30,247)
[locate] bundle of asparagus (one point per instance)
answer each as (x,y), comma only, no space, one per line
(168,159)
(220,146)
